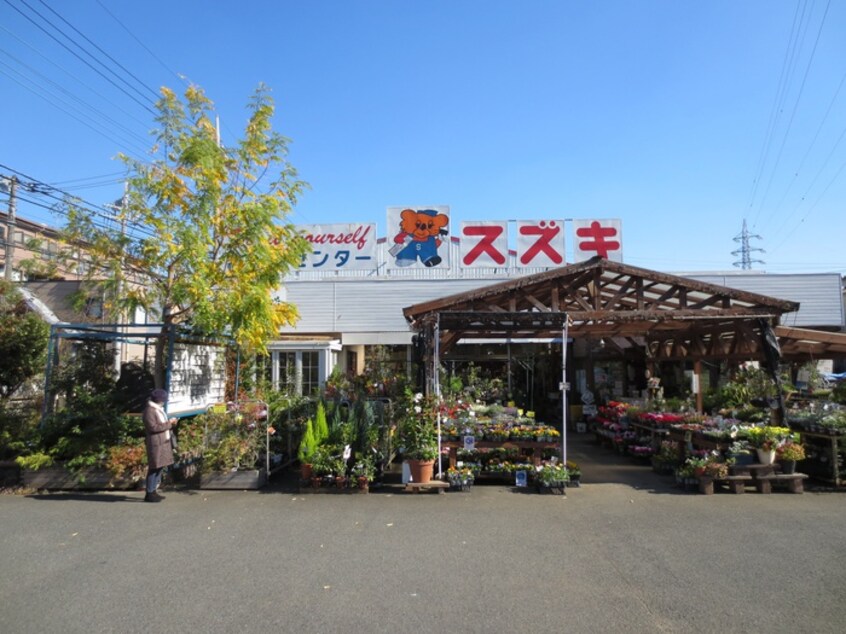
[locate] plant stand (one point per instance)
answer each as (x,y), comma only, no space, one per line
(432,485)
(234,480)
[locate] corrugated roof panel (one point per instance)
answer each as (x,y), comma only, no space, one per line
(375,305)
(819,294)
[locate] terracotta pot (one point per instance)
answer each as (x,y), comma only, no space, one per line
(421,470)
(305,471)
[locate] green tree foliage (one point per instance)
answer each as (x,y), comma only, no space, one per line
(321,425)
(23,341)
(202,237)
(307,443)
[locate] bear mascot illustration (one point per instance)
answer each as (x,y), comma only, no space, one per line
(419,237)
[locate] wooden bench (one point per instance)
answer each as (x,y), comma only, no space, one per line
(794,482)
(736,484)
(437,485)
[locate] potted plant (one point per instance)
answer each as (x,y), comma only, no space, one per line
(460,478)
(363,471)
(418,437)
(575,473)
(308,445)
(788,454)
(765,439)
(739,452)
(551,476)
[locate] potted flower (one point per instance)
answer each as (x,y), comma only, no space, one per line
(788,454)
(551,476)
(460,478)
(765,439)
(575,474)
(740,453)
(418,437)
(363,471)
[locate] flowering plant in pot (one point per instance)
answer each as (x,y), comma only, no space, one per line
(788,454)
(418,436)
(552,475)
(460,478)
(363,471)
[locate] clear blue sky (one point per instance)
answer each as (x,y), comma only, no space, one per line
(680,118)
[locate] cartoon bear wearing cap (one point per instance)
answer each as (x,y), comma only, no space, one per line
(419,237)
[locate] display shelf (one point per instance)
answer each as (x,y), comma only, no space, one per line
(826,455)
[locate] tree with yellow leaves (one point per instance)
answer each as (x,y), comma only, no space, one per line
(201,238)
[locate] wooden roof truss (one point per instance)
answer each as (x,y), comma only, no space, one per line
(674,317)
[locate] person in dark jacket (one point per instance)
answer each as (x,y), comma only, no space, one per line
(157,427)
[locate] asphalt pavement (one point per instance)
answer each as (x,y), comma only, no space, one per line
(625,552)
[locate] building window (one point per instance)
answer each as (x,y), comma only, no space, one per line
(310,373)
(288,372)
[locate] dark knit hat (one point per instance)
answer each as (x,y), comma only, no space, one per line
(159,396)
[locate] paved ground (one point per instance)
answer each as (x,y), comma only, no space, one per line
(626,552)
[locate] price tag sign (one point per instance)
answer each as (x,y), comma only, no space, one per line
(469,443)
(521,478)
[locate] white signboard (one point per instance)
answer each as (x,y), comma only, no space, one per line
(197,378)
(339,247)
(484,244)
(418,237)
(540,243)
(598,237)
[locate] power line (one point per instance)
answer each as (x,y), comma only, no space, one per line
(781,91)
(70,114)
(112,59)
(76,79)
(793,112)
(100,113)
(134,37)
(146,106)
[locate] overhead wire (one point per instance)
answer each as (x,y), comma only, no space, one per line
(78,81)
(112,59)
(775,111)
(67,112)
(144,105)
(60,88)
(808,152)
(792,113)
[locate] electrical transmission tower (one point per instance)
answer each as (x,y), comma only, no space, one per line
(745,251)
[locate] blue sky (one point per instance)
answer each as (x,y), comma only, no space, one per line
(680,118)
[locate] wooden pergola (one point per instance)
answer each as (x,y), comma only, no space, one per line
(672,317)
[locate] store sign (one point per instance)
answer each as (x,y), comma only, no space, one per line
(419,237)
(598,237)
(197,378)
(340,246)
(484,244)
(540,243)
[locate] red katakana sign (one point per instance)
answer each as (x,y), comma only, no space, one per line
(598,237)
(540,243)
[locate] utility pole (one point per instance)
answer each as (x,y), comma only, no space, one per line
(745,251)
(10,226)
(120,204)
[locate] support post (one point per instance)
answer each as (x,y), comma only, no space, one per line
(10,228)
(697,379)
(437,387)
(564,388)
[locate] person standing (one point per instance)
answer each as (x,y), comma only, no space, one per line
(157,428)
